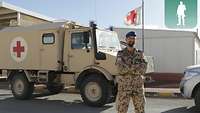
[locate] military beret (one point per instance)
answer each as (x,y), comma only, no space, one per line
(131,33)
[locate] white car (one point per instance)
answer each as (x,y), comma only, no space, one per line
(190,83)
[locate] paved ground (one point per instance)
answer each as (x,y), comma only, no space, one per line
(72,103)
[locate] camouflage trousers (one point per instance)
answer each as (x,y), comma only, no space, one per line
(123,100)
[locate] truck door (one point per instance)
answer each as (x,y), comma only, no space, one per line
(49,51)
(79,55)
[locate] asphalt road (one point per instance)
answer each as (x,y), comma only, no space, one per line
(72,103)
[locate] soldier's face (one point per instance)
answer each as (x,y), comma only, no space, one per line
(130,41)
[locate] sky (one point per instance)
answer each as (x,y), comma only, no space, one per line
(105,13)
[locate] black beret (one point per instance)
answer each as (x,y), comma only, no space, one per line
(131,33)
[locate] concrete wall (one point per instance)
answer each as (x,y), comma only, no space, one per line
(5,10)
(172,50)
(26,20)
(6,15)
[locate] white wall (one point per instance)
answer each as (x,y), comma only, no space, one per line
(172,50)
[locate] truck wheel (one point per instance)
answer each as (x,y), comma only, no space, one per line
(21,88)
(197,97)
(95,90)
(55,88)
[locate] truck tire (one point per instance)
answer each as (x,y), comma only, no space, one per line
(197,97)
(95,90)
(21,88)
(55,88)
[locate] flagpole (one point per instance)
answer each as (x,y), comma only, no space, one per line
(143,25)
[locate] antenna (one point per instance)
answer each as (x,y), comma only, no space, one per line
(95,10)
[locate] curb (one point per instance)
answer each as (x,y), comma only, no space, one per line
(163,92)
(70,89)
(149,92)
(163,95)
(3,79)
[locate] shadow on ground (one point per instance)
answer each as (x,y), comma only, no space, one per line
(195,109)
(8,104)
(11,105)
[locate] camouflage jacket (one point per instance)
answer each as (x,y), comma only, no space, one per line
(131,67)
(131,64)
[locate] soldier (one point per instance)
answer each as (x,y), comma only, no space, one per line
(131,66)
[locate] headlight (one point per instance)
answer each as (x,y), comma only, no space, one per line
(189,74)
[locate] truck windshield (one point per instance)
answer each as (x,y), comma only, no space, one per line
(107,41)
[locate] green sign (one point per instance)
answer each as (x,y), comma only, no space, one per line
(180,14)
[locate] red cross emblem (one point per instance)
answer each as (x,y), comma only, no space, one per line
(18,49)
(132,16)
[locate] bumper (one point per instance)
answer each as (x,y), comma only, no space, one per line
(187,86)
(182,87)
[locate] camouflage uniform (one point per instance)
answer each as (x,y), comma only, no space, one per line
(131,67)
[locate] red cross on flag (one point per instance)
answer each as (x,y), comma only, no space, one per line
(133,17)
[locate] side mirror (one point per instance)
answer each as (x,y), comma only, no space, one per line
(100,56)
(86,37)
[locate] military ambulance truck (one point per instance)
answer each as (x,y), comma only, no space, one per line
(59,54)
(49,53)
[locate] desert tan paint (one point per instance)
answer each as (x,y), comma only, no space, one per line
(47,57)
(39,56)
